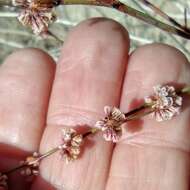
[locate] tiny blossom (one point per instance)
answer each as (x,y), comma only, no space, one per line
(35,15)
(32,165)
(111,124)
(165,102)
(19,2)
(3,180)
(38,3)
(71,143)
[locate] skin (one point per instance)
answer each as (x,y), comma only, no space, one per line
(95,69)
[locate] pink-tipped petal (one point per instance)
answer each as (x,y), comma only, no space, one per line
(107,110)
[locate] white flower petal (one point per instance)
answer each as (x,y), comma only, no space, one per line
(179,100)
(107,110)
(117,114)
(148,100)
(107,136)
(67,133)
(99,124)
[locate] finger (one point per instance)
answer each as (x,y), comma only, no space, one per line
(153,155)
(89,76)
(25,83)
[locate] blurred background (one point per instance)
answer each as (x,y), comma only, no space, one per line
(14,36)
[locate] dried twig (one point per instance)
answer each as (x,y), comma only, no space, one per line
(164,15)
(161,13)
(135,13)
(177,29)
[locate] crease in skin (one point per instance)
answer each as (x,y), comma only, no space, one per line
(140,180)
(51,173)
(67,67)
(54,181)
(74,115)
(95,158)
(87,171)
(58,182)
(86,59)
(134,178)
(97,78)
(134,80)
(149,138)
(100,78)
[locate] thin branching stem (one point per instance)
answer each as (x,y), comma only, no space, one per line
(164,15)
(177,29)
(134,114)
(134,13)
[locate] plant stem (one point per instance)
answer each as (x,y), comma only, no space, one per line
(185,90)
(38,159)
(50,152)
(164,15)
(14,169)
(55,37)
(137,113)
(90,132)
(141,111)
(179,30)
(132,12)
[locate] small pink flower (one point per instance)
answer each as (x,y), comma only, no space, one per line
(37,3)
(71,143)
(36,15)
(165,102)
(20,2)
(3,180)
(32,165)
(111,124)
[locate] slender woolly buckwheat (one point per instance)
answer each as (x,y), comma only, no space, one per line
(111,124)
(3,181)
(32,165)
(165,102)
(36,15)
(71,144)
(163,105)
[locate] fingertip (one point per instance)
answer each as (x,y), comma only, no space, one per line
(100,28)
(155,144)
(158,55)
(30,56)
(95,54)
(151,65)
(26,79)
(105,32)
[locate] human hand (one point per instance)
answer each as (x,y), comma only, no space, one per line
(93,71)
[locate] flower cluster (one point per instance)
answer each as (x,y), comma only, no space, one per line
(165,102)
(36,14)
(111,124)
(71,143)
(31,165)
